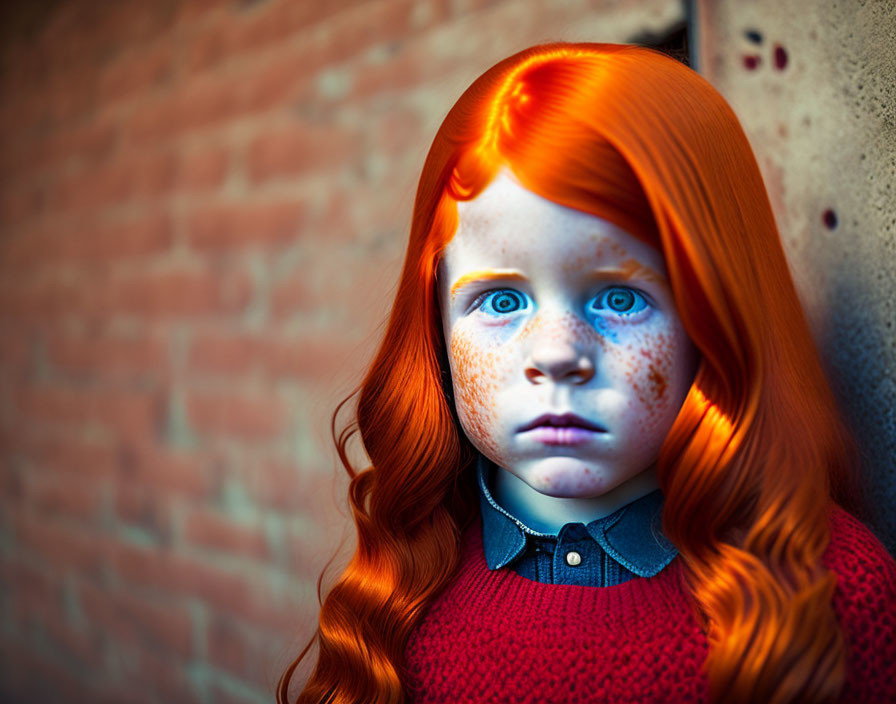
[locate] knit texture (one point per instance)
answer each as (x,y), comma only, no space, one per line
(494,636)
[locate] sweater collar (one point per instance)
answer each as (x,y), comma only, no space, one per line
(631,535)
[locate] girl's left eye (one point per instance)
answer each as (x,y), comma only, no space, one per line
(501,302)
(620,300)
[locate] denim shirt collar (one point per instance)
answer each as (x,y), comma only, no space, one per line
(631,535)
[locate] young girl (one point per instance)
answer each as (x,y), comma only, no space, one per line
(605,462)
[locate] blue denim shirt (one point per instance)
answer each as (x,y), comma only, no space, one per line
(611,550)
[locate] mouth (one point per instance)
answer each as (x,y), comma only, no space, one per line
(566,420)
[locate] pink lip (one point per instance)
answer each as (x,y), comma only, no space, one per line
(565,420)
(565,429)
(566,435)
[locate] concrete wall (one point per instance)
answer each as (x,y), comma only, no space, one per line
(814,84)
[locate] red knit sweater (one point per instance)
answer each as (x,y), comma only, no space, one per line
(494,636)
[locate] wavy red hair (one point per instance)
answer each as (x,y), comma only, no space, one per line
(757,451)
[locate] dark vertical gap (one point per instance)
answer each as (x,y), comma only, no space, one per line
(673,41)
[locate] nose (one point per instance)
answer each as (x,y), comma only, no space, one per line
(558,361)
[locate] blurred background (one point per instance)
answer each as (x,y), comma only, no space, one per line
(203,211)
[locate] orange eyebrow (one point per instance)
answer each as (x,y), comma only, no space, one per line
(485,275)
(632,268)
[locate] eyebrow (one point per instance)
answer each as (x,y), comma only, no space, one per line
(631,269)
(485,275)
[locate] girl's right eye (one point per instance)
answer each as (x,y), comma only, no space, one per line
(501,302)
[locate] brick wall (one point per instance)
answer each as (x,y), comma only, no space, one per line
(203,210)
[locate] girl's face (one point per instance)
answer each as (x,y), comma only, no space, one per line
(569,362)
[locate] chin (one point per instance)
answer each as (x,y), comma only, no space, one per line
(566,477)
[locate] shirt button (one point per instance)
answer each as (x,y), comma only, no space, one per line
(573,558)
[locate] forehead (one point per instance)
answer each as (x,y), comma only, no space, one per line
(507,225)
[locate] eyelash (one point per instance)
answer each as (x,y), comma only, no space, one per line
(481,300)
(638,297)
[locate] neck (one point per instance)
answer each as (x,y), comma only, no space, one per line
(548,514)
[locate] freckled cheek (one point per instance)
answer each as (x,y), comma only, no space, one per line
(649,369)
(479,371)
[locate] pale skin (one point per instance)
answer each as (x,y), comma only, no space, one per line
(549,310)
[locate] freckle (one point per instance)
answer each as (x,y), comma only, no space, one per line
(617,248)
(658,381)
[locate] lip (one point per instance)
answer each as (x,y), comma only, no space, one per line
(553,421)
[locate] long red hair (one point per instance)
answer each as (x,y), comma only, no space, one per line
(757,451)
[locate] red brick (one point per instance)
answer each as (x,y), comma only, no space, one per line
(27,301)
(119,26)
(400,131)
(233,591)
(190,107)
(304,357)
(165,674)
(161,624)
(307,149)
(283,80)
(107,356)
(15,349)
(88,242)
(21,203)
(60,494)
(246,417)
(222,693)
(34,592)
(352,32)
(336,217)
(360,292)
(81,647)
(190,12)
(170,294)
(130,177)
(293,294)
(309,553)
(243,651)
(207,48)
(213,530)
(223,353)
(321,358)
(88,143)
(64,453)
(281,485)
(203,169)
(60,546)
(137,237)
(159,470)
(66,96)
(140,71)
(235,226)
(402,73)
(258,31)
(130,414)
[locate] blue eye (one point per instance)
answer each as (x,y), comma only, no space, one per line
(501,302)
(620,300)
